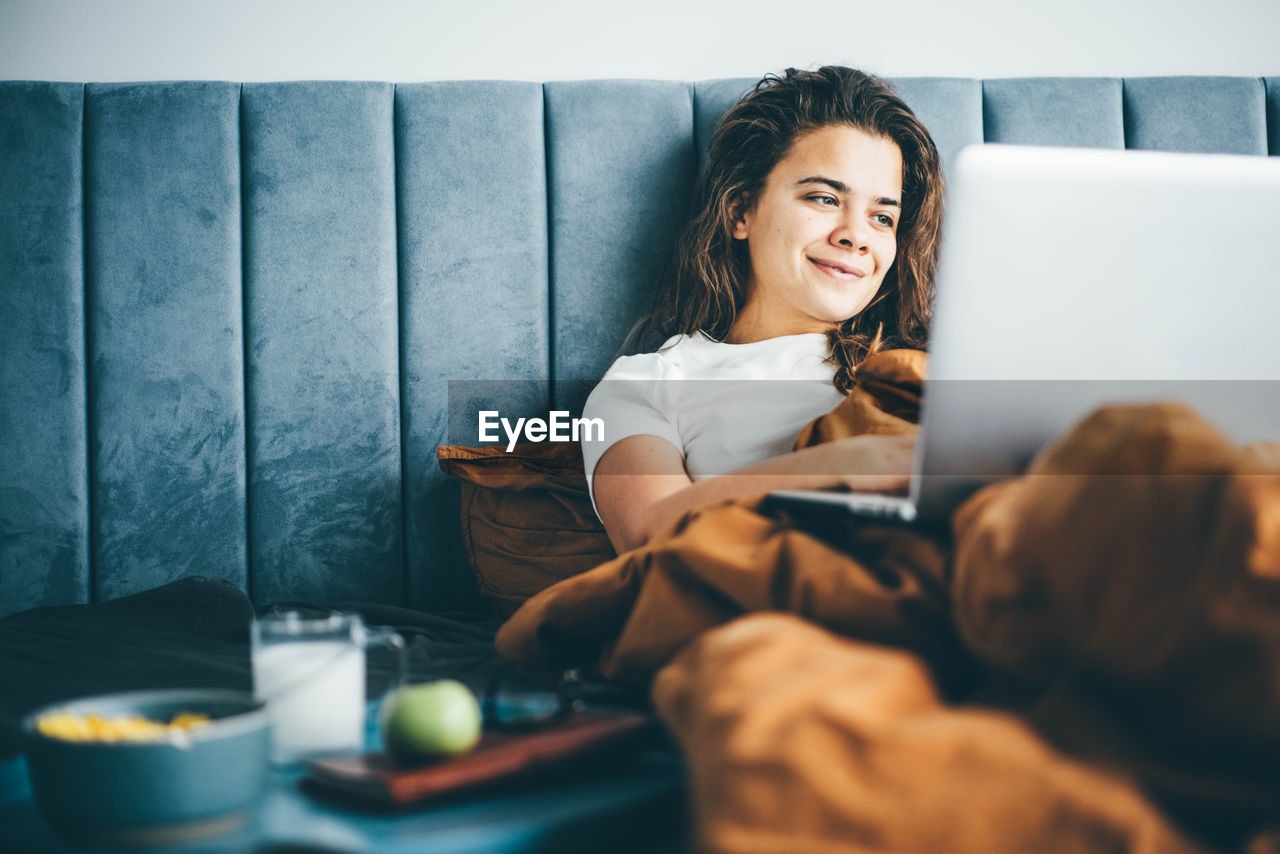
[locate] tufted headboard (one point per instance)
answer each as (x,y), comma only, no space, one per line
(233,317)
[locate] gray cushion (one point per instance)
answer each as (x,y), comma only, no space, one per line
(1222,115)
(166,369)
(44,504)
(620,163)
(711,100)
(1083,112)
(950,107)
(471,185)
(1273,114)
(322,341)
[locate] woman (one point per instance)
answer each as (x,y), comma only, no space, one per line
(812,245)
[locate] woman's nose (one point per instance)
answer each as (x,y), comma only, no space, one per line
(852,234)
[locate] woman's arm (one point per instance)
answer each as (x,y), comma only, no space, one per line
(641,486)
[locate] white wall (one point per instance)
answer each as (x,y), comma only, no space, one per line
(402,40)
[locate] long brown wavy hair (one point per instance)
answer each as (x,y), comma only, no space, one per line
(703,285)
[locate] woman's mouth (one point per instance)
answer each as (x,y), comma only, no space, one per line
(837,271)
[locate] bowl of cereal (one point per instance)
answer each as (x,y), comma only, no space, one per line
(148,766)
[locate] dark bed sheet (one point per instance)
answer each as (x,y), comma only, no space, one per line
(194,633)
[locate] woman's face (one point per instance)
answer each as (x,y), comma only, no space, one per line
(822,234)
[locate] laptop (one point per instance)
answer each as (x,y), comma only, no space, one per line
(1073,278)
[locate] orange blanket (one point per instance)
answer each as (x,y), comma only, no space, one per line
(1089,660)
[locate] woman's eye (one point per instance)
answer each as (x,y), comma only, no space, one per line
(823,200)
(885,220)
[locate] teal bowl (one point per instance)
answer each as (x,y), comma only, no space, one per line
(162,791)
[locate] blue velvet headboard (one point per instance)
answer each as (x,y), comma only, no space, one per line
(229,314)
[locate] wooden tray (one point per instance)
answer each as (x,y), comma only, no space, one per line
(379,780)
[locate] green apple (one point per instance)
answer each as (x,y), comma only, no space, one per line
(432,719)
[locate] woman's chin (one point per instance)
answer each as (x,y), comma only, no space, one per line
(835,315)
(838,307)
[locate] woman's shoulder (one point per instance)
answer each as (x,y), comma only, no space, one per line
(801,356)
(699,356)
(669,361)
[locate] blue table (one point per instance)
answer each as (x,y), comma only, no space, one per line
(635,804)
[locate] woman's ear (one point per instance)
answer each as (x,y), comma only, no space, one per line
(739,211)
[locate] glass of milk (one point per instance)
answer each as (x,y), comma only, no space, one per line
(310,671)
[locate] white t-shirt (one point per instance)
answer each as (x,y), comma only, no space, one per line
(691,393)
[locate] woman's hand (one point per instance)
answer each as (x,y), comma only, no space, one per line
(641,487)
(871,463)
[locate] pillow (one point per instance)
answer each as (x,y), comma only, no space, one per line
(527,519)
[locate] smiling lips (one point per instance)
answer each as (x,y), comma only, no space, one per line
(837,271)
